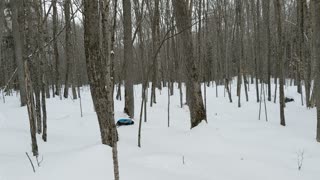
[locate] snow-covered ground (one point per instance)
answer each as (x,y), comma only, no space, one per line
(234,145)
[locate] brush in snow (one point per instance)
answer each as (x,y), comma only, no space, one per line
(288,100)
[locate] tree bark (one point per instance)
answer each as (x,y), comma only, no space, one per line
(277,7)
(55,46)
(18,37)
(99,77)
(316,31)
(183,19)
(30,106)
(68,46)
(267,44)
(127,25)
(155,45)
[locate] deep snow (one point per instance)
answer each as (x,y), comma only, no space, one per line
(234,145)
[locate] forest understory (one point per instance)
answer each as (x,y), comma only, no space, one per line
(234,144)
(217,89)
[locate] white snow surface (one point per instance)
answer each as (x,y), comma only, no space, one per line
(233,145)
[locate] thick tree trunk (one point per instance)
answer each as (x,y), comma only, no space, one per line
(18,37)
(99,77)
(256,46)
(2,20)
(277,6)
(96,71)
(38,68)
(127,25)
(307,51)
(106,60)
(316,31)
(183,19)
(155,45)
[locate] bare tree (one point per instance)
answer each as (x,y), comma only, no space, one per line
(18,37)
(30,106)
(183,19)
(100,79)
(68,46)
(127,25)
(267,43)
(155,45)
(316,31)
(239,48)
(278,16)
(55,45)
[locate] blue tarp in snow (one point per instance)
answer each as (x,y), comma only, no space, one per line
(125,121)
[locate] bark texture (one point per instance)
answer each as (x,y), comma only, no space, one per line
(183,19)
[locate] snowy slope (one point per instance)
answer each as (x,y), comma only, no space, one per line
(233,145)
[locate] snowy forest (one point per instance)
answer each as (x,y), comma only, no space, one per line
(160,89)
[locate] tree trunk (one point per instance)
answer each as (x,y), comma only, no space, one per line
(100,75)
(183,19)
(44,109)
(239,51)
(267,44)
(68,46)
(39,63)
(127,25)
(277,7)
(256,45)
(30,106)
(18,38)
(155,45)
(112,50)
(55,45)
(316,31)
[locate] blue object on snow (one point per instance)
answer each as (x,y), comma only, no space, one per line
(125,122)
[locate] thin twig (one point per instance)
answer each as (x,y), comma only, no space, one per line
(6,86)
(31,162)
(39,162)
(53,38)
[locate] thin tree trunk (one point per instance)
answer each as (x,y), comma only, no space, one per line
(75,58)
(267,44)
(30,106)
(140,117)
(112,50)
(55,45)
(44,109)
(68,46)
(258,53)
(239,34)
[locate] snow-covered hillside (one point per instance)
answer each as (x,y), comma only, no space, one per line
(234,145)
